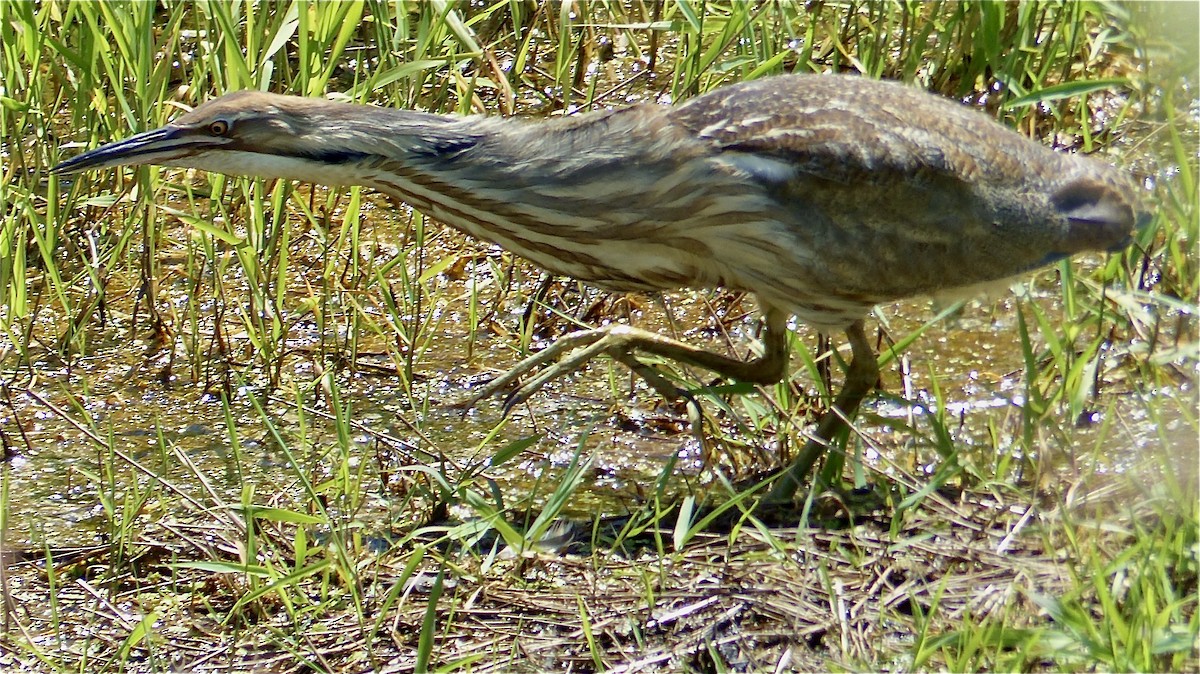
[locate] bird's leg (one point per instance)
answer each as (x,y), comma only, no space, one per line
(861,377)
(621,342)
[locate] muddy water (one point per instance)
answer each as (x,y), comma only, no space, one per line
(110,426)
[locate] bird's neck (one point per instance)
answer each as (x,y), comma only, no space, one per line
(549,190)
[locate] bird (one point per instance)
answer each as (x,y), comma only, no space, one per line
(821,195)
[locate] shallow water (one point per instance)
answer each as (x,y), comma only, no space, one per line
(114,408)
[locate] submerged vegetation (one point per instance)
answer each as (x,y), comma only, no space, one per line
(224,401)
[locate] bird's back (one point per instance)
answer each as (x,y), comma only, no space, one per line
(890,191)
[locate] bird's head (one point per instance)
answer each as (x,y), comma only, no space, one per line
(271,136)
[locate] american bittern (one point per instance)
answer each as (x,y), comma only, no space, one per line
(821,195)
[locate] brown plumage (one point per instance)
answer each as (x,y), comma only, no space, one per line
(821,195)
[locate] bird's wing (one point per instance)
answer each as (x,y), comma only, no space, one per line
(859,131)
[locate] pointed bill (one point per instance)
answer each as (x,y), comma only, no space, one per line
(158,146)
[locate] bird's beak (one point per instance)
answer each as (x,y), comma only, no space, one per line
(159,146)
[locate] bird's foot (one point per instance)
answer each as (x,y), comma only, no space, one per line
(621,342)
(572,352)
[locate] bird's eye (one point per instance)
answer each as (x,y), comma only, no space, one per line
(219,128)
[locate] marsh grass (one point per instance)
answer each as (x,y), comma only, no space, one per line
(227,395)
